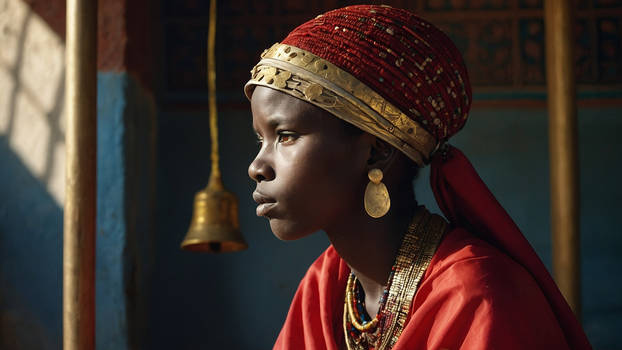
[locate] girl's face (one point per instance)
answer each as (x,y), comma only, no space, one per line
(310,170)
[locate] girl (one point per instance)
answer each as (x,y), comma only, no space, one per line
(346,109)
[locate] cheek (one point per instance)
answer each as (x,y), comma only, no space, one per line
(324,176)
(341,169)
(318,183)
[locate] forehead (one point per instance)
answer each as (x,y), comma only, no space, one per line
(272,106)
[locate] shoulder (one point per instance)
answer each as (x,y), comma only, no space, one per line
(328,264)
(316,305)
(473,293)
(466,262)
(328,271)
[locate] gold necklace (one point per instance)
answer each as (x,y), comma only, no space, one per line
(413,258)
(368,326)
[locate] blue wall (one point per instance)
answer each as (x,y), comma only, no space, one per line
(125,187)
(30,258)
(240,300)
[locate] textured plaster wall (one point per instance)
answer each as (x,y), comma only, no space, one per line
(239,301)
(30,258)
(32,164)
(32,77)
(125,185)
(31,230)
(32,173)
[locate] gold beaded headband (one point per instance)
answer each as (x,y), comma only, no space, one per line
(303,75)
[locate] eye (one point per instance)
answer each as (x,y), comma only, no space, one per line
(287,137)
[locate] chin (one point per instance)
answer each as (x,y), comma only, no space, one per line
(286,230)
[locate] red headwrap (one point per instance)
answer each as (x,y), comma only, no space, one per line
(401,56)
(416,68)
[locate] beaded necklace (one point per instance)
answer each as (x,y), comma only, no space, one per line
(418,246)
(363,330)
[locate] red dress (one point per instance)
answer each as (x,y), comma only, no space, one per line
(472,297)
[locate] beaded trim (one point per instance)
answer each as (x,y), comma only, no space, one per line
(303,75)
(413,258)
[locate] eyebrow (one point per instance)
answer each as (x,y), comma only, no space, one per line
(274,120)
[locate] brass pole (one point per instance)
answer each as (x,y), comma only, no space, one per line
(80,142)
(559,26)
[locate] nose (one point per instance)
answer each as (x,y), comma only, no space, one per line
(260,169)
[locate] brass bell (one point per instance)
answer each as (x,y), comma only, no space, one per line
(214,227)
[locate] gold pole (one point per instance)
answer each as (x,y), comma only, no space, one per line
(80,141)
(559,26)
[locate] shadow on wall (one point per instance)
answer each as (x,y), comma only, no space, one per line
(32,88)
(32,157)
(30,259)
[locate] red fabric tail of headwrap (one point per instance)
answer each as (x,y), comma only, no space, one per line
(467,202)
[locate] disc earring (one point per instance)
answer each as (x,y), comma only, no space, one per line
(377,201)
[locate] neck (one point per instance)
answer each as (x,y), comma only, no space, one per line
(369,246)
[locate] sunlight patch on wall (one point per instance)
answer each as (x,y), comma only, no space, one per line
(32,93)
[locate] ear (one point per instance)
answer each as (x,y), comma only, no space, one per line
(381,155)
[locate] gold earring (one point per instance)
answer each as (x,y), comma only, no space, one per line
(377,201)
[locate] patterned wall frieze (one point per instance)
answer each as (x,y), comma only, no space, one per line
(502,41)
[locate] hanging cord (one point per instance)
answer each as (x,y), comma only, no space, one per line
(211,87)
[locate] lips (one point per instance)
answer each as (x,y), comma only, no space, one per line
(265,203)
